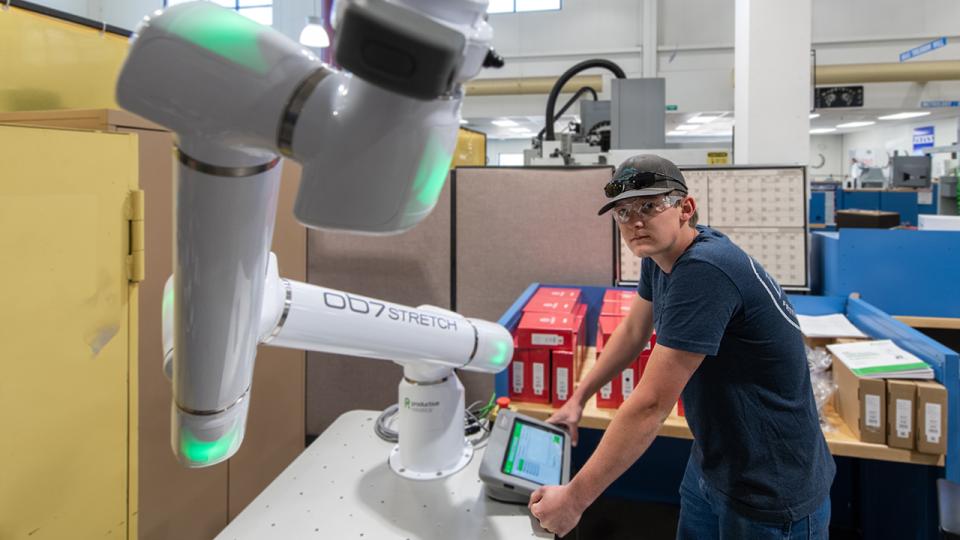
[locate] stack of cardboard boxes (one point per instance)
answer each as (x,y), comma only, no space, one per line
(550,343)
(616,307)
(907,414)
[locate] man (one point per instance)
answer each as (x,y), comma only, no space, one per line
(728,338)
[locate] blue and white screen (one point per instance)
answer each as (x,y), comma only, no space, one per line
(534,454)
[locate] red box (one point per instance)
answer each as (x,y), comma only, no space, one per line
(605,327)
(615,392)
(547,330)
(680,407)
(539,388)
(618,295)
(558,293)
(564,375)
(550,305)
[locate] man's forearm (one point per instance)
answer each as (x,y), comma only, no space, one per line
(627,437)
(622,349)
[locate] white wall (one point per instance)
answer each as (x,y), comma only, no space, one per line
(827,149)
(495,147)
(881,141)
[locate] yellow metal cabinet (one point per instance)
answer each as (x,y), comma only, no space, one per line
(69,207)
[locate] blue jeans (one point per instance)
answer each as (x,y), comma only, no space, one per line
(704,516)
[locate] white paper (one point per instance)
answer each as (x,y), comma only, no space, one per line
(562,386)
(904,416)
(517,377)
(872,417)
(932,428)
(538,378)
(834,325)
(924,197)
(550,340)
(878,359)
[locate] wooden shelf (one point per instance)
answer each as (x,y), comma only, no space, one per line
(949,323)
(840,439)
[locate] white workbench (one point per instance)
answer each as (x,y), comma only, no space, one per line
(341,487)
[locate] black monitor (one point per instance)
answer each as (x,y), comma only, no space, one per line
(911,171)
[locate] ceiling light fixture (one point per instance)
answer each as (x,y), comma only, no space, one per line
(818,131)
(814,115)
(856,124)
(504,123)
(903,115)
(314,35)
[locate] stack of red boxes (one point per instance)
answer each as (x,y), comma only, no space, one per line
(616,306)
(550,341)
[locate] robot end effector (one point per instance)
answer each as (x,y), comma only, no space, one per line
(238,95)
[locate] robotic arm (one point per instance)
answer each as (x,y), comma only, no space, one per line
(375,146)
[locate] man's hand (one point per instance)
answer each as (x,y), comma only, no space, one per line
(556,508)
(568,416)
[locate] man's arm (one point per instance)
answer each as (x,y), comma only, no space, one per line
(625,344)
(627,437)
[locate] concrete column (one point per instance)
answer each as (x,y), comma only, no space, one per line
(772,83)
(650,38)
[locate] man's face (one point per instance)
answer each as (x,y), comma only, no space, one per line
(651,225)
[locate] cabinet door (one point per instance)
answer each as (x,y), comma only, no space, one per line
(65,334)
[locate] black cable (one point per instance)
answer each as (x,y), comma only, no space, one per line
(580,92)
(567,75)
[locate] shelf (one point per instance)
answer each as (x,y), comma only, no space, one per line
(949,323)
(840,439)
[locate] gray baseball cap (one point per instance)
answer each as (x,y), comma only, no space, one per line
(642,176)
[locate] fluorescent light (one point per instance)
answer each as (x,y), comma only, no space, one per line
(676,133)
(702,119)
(504,123)
(855,124)
(538,5)
(687,127)
(903,115)
(817,131)
(463,121)
(313,35)
(520,130)
(814,115)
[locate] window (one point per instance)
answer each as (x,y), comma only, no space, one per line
(260,11)
(520,6)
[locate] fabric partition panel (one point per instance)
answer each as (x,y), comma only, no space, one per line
(412,268)
(516,226)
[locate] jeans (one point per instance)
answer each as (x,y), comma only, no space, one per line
(704,516)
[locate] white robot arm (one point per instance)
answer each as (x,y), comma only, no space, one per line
(375,146)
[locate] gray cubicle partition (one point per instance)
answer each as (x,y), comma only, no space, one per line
(516,226)
(411,268)
(494,231)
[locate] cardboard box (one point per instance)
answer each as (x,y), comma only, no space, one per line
(861,403)
(539,387)
(564,375)
(547,330)
(867,219)
(931,428)
(901,413)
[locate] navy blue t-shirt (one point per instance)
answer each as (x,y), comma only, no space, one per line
(750,404)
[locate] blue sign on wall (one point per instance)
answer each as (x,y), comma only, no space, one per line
(923,49)
(933,104)
(922,138)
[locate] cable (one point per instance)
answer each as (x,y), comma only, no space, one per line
(567,75)
(567,105)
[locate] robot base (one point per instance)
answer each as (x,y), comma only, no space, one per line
(397,467)
(431,419)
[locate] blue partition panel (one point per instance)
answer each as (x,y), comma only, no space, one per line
(902,202)
(902,272)
(861,200)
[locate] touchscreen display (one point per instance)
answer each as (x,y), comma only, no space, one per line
(534,454)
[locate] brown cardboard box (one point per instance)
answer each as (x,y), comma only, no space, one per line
(901,413)
(861,403)
(867,219)
(931,418)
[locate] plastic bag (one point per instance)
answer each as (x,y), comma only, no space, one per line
(819,361)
